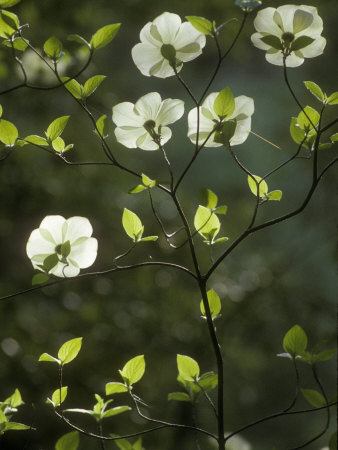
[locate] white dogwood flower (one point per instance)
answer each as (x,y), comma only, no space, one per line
(62,247)
(166,42)
(292,32)
(211,125)
(143,125)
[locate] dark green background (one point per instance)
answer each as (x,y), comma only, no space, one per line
(275,279)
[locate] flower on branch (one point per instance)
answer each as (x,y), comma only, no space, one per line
(289,33)
(143,125)
(166,43)
(62,247)
(216,129)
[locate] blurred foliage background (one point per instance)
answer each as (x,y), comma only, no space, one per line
(279,277)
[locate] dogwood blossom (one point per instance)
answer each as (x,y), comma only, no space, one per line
(210,124)
(166,42)
(290,32)
(143,125)
(62,247)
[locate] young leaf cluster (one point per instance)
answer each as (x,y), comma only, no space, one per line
(7,408)
(259,187)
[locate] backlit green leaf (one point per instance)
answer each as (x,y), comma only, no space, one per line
(92,84)
(149,238)
(275,195)
(188,368)
(69,350)
(315,90)
(50,262)
(39,278)
(208,198)
(295,341)
(137,189)
(224,104)
(221,209)
(17,43)
(201,24)
(48,358)
(56,127)
(8,132)
(226,132)
(37,140)
(297,133)
(104,35)
(59,396)
(102,126)
(304,118)
(132,225)
(325,355)
(315,398)
(334,137)
(79,39)
(16,426)
(206,223)
(73,87)
(214,304)
(208,381)
(263,187)
(333,99)
(272,41)
(9,24)
(301,42)
(115,411)
(58,145)
(53,48)
(179,396)
(133,370)
(8,3)
(69,441)
(115,388)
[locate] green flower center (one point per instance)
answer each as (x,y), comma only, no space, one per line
(149,125)
(288,37)
(58,249)
(168,52)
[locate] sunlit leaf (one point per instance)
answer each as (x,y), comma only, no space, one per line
(69,441)
(224,104)
(295,341)
(315,398)
(201,24)
(214,304)
(315,90)
(104,35)
(133,370)
(53,48)
(132,225)
(187,367)
(69,350)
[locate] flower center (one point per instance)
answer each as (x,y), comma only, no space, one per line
(58,249)
(149,125)
(168,52)
(288,37)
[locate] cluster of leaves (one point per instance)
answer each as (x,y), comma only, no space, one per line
(7,408)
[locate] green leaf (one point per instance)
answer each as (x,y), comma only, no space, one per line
(263,187)
(148,238)
(69,350)
(69,441)
(333,441)
(148,182)
(315,90)
(39,278)
(79,39)
(16,426)
(8,132)
(8,3)
(115,411)
(59,146)
(17,43)
(132,225)
(220,240)
(315,398)
(275,195)
(206,223)
(3,418)
(115,388)
(325,355)
(123,444)
(65,247)
(9,24)
(208,198)
(73,87)
(272,41)
(92,84)
(214,304)
(137,189)
(295,341)
(56,127)
(297,133)
(226,132)
(104,35)
(48,358)
(221,209)
(50,262)
(1,111)
(179,396)
(333,99)
(59,396)
(208,381)
(334,137)
(37,140)
(301,42)
(201,24)
(53,48)
(133,370)
(188,368)
(304,116)
(224,104)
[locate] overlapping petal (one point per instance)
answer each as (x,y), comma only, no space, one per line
(288,23)
(208,119)
(133,121)
(48,239)
(166,29)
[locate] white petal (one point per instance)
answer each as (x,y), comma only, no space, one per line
(205,127)
(85,253)
(243,128)
(257,41)
(170,111)
(165,135)
(274,57)
(301,20)
(124,116)
(64,271)
(148,105)
(149,34)
(168,25)
(78,227)
(148,143)
(54,224)
(264,22)
(188,43)
(287,13)
(146,56)
(36,245)
(244,107)
(294,60)
(314,49)
(129,136)
(163,69)
(316,28)
(209,104)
